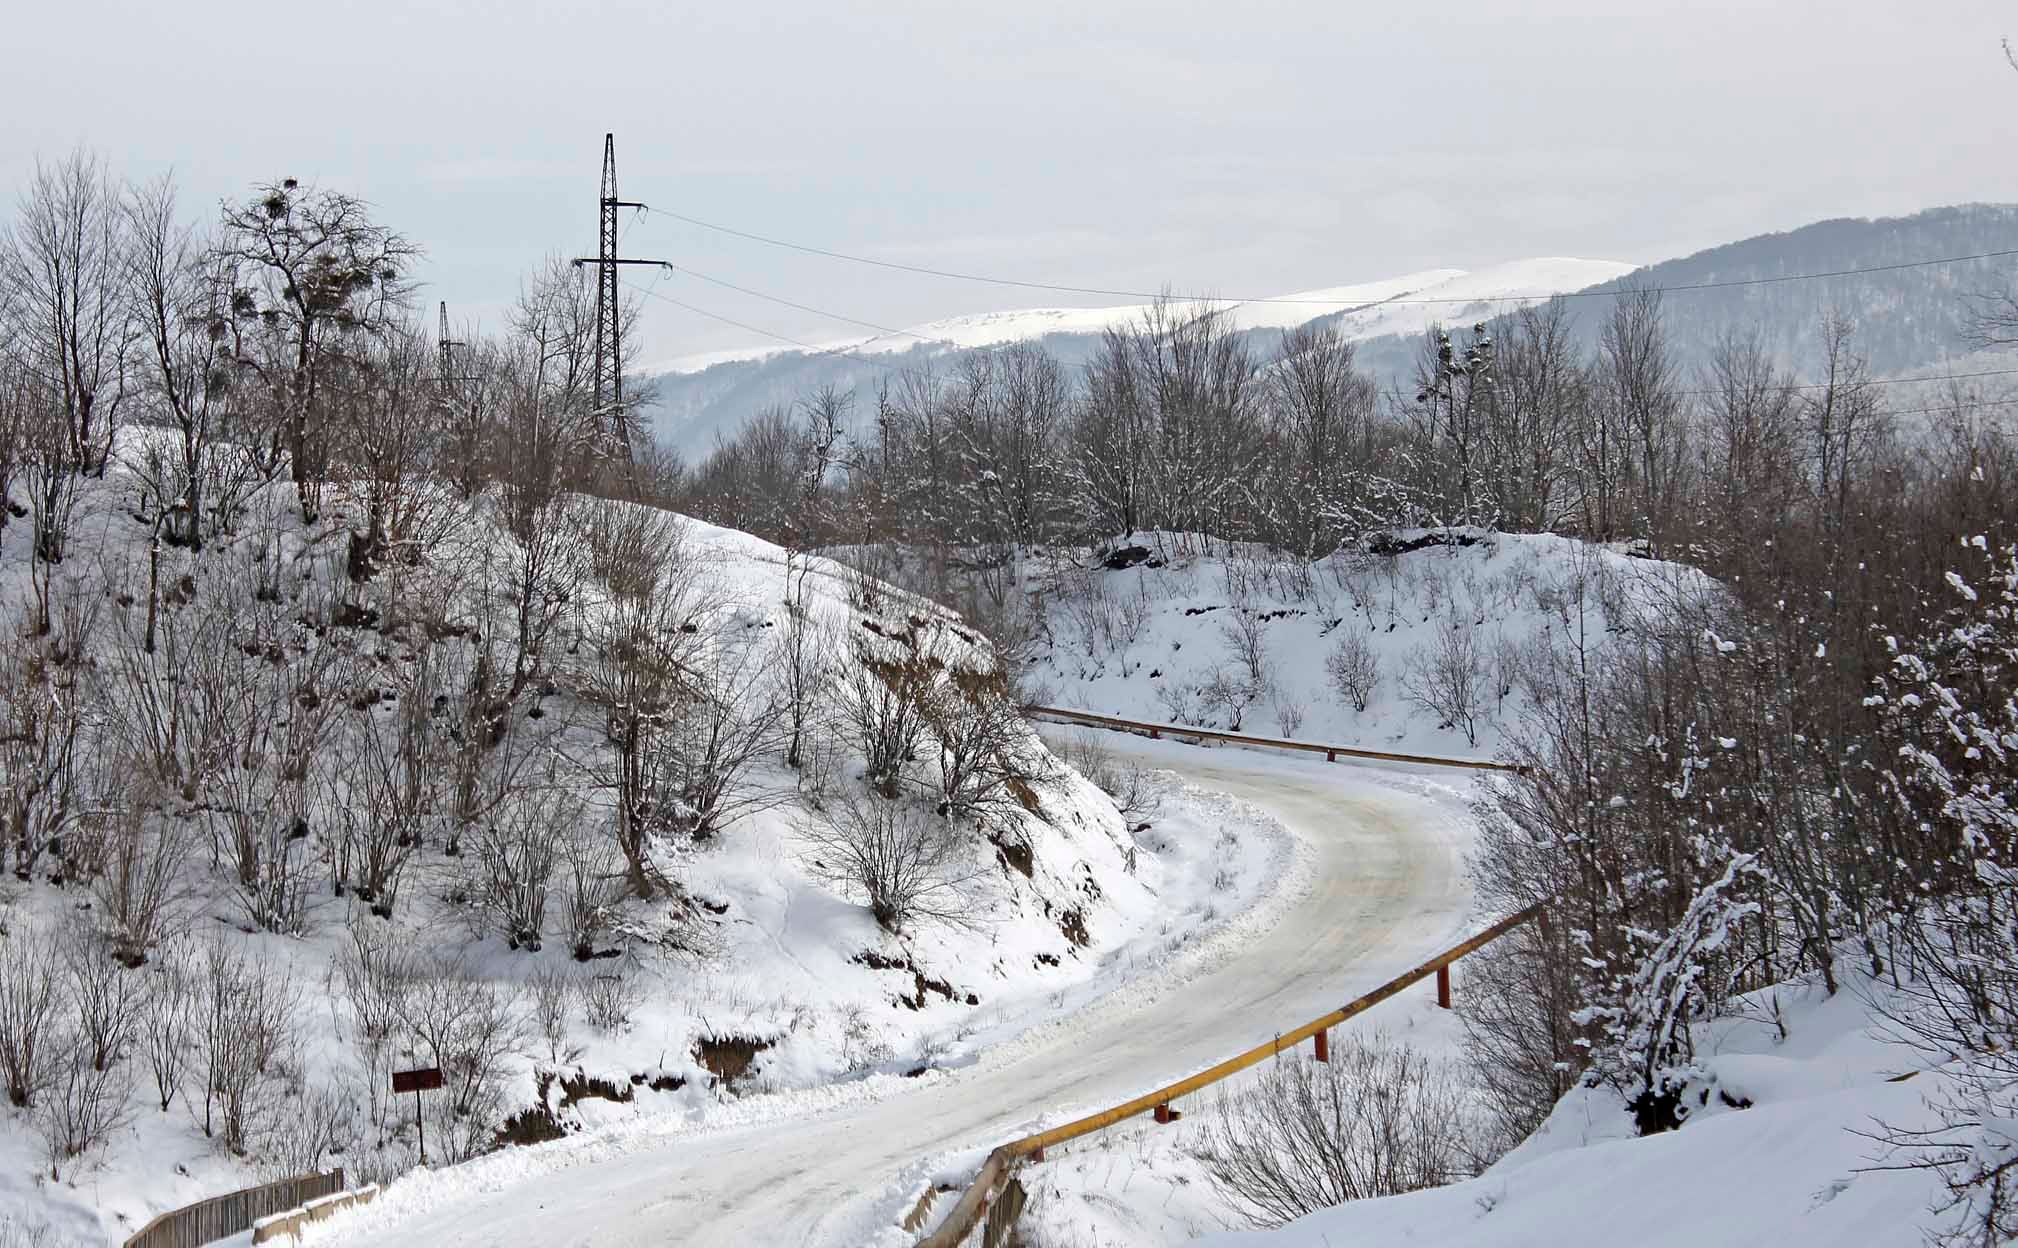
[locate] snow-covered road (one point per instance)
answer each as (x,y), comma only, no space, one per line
(1385,890)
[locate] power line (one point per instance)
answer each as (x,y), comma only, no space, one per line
(1061,288)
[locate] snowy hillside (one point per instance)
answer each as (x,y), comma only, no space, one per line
(1782,1163)
(1404,304)
(1419,649)
(757,967)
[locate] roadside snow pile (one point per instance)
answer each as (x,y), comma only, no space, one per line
(513,801)
(1773,1155)
(1414,640)
(1791,1169)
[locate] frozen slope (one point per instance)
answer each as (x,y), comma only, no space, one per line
(1378,886)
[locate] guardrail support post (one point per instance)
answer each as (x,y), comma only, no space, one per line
(1165,1114)
(1443,986)
(1321,1043)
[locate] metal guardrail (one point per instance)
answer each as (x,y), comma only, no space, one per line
(220,1216)
(1332,753)
(1001,1164)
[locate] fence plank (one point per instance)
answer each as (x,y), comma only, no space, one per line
(221,1216)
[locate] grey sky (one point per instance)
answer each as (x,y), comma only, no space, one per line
(1251,148)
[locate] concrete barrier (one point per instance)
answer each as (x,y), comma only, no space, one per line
(289,1222)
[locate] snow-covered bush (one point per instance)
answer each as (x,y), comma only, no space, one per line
(1950,705)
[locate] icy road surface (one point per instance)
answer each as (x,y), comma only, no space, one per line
(1385,891)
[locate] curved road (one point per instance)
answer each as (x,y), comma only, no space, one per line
(1387,892)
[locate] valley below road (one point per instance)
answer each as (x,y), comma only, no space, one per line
(1384,890)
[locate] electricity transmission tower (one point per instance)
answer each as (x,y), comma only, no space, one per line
(614,426)
(449,377)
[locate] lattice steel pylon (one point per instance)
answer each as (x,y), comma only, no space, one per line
(612,417)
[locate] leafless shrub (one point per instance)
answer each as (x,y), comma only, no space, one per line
(1183,702)
(987,761)
(553,993)
(518,849)
(1353,668)
(467,1027)
(44,702)
(245,1031)
(31,1003)
(608,998)
(82,1104)
(883,704)
(1446,677)
(376,971)
(1229,693)
(595,883)
(1518,1038)
(164,1028)
(322,1122)
(1135,794)
(1288,714)
(140,886)
(728,720)
(1245,634)
(105,996)
(906,862)
(1378,1119)
(806,650)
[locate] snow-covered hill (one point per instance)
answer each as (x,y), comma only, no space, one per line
(760,971)
(1404,304)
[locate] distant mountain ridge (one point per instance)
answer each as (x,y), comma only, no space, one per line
(1907,318)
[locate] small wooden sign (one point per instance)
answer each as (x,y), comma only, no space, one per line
(422,1079)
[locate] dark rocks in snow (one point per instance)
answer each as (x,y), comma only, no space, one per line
(1125,557)
(1394,544)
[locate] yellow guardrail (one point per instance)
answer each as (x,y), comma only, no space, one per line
(996,1170)
(1332,753)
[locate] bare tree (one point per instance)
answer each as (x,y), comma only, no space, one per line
(315,273)
(72,267)
(186,367)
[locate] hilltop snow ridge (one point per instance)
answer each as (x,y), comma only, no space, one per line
(1363,310)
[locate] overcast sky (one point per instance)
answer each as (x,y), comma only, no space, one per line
(1254,148)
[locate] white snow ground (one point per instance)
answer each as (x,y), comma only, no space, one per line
(1373,886)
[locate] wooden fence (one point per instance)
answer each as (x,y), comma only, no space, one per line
(220,1216)
(998,1170)
(1332,753)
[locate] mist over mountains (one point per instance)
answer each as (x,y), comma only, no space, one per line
(1908,319)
